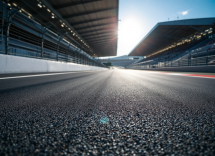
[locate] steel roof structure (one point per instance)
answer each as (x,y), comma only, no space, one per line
(92,24)
(165,34)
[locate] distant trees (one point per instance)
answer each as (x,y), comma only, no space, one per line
(107,64)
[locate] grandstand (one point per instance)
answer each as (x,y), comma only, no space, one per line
(188,42)
(120,61)
(42,29)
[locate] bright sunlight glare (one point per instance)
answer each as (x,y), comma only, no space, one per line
(131,31)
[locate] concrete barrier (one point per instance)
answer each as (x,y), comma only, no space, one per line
(16,64)
(204,69)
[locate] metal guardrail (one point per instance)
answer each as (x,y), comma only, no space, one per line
(22,36)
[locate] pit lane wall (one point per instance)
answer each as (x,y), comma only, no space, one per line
(16,64)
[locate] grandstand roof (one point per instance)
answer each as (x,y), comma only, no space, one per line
(165,34)
(92,23)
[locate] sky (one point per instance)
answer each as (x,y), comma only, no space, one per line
(138,17)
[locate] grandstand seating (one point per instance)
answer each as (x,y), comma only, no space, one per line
(194,53)
(174,51)
(211,41)
(26,37)
(208,46)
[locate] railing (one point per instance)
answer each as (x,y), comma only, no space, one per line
(22,36)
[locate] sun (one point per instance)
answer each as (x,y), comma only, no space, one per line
(130,33)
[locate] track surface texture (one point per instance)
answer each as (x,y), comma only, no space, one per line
(146,114)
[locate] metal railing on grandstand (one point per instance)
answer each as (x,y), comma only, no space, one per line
(22,36)
(203,56)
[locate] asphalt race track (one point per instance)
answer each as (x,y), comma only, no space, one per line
(111,112)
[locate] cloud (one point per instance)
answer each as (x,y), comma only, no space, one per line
(184,12)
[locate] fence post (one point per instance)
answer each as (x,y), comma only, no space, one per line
(191,59)
(178,62)
(188,60)
(208,53)
(67,52)
(197,57)
(10,17)
(171,62)
(76,57)
(42,42)
(79,58)
(58,45)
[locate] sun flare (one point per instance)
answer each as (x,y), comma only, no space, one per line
(130,33)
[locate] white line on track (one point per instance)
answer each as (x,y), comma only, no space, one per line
(15,77)
(179,74)
(187,75)
(199,77)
